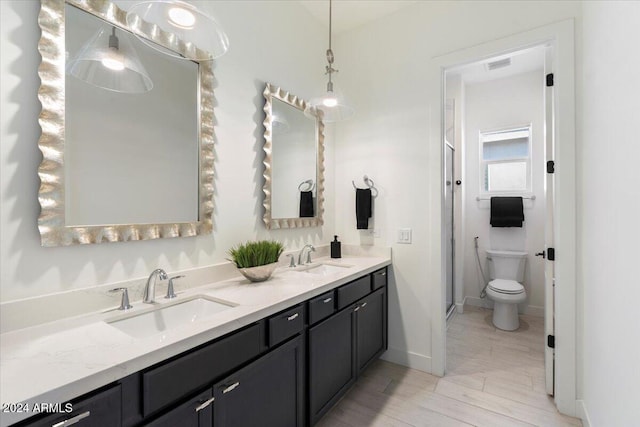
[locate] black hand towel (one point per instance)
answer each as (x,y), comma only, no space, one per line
(507,212)
(306,204)
(363,208)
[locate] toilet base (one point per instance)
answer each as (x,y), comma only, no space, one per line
(505,316)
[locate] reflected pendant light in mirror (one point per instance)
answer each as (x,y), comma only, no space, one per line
(331,103)
(190,30)
(109,61)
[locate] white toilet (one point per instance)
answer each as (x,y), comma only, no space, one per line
(506,269)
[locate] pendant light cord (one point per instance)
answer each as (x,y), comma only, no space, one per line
(330,57)
(329,24)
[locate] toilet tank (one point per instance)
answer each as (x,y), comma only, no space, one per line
(506,265)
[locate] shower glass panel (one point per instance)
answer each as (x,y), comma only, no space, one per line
(448,207)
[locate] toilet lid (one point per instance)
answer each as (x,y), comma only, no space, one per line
(506,286)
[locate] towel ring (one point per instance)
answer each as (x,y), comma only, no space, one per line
(308,182)
(369,183)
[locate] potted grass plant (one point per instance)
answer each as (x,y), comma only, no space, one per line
(256,260)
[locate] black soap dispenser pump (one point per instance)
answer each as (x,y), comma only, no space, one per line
(336,249)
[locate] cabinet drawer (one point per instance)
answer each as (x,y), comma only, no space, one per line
(353,291)
(378,279)
(103,409)
(174,380)
(286,324)
(321,307)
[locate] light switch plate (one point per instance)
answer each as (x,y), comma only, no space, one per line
(404,235)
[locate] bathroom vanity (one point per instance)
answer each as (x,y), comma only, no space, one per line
(280,364)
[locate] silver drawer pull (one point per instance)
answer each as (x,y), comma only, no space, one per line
(231,388)
(384,273)
(364,304)
(72,421)
(292,317)
(327,300)
(205,404)
(357,308)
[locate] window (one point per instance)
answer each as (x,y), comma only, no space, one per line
(505,160)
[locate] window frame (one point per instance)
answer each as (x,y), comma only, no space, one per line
(484,164)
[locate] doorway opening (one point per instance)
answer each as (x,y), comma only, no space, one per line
(498,137)
(561,125)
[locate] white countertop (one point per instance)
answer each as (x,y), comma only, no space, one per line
(61,360)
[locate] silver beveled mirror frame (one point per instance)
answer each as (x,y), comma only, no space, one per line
(269,93)
(51,195)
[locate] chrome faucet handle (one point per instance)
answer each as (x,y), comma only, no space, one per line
(291,262)
(311,249)
(170,293)
(124,303)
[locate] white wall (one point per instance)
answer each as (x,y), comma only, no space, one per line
(610,208)
(383,69)
(262,49)
(511,101)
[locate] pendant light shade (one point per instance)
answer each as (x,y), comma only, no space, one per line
(109,61)
(187,27)
(332,104)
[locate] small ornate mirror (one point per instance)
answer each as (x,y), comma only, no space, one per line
(294,162)
(127,132)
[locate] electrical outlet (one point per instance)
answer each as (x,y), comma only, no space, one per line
(404,235)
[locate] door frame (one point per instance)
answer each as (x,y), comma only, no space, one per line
(560,35)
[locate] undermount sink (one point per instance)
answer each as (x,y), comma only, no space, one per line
(169,317)
(326,269)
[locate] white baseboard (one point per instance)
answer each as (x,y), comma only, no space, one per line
(460,307)
(478,302)
(581,412)
(532,310)
(408,359)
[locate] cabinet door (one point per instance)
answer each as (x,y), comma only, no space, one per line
(196,412)
(102,409)
(372,331)
(331,361)
(267,393)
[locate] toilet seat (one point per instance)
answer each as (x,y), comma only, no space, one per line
(503,286)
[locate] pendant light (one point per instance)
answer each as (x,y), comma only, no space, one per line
(194,34)
(331,103)
(110,62)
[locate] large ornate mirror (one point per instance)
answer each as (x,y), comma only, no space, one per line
(294,162)
(127,147)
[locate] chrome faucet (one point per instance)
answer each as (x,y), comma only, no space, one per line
(150,288)
(311,249)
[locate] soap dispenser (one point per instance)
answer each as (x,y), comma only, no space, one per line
(336,250)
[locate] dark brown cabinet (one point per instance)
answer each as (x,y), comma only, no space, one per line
(288,369)
(268,392)
(169,382)
(195,412)
(342,346)
(101,409)
(371,328)
(332,369)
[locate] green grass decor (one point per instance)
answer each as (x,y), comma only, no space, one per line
(254,254)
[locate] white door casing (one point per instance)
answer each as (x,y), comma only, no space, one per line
(560,35)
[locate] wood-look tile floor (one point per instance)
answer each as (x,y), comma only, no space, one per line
(494,378)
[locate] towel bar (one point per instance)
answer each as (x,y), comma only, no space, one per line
(478,198)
